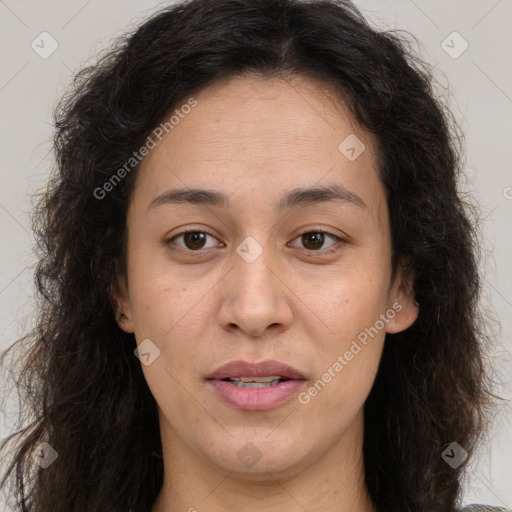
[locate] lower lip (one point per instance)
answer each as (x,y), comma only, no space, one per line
(256,399)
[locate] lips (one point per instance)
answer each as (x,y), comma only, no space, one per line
(237,369)
(232,384)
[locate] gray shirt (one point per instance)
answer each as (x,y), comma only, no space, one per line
(483,508)
(468,508)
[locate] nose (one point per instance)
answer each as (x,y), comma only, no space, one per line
(255,298)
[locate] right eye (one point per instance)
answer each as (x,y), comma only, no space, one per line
(192,240)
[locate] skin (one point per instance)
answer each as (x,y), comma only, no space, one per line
(255,139)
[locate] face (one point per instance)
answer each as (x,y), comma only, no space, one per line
(270,271)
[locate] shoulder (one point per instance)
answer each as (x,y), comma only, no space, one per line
(483,508)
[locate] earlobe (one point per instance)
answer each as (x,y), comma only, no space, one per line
(125,323)
(122,309)
(404,318)
(404,303)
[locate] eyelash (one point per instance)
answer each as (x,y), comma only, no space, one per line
(200,252)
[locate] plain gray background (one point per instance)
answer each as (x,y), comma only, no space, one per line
(477,85)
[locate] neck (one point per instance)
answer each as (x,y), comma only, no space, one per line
(333,482)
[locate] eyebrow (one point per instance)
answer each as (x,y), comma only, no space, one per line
(298,197)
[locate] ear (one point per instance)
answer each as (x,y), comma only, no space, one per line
(121,303)
(402,301)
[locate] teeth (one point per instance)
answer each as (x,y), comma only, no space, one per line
(270,378)
(242,384)
(256,382)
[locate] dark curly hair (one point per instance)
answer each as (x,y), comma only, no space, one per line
(83,388)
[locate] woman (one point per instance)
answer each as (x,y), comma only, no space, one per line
(258,282)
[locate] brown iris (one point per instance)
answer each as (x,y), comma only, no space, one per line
(315,239)
(194,239)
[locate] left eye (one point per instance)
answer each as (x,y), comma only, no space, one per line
(314,240)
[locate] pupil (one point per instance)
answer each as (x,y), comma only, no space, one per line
(317,239)
(193,238)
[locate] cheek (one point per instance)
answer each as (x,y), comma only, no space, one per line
(349,336)
(349,367)
(174,318)
(346,305)
(173,314)
(165,298)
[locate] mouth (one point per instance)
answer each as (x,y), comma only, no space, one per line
(255,386)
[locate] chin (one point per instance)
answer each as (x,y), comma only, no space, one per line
(259,454)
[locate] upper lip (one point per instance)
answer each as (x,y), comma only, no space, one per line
(267,368)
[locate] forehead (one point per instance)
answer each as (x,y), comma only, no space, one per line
(254,138)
